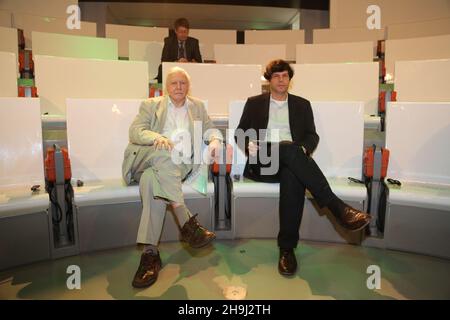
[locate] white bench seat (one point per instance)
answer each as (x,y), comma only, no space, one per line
(342,187)
(256,208)
(116,191)
(423,195)
(24,231)
(418,219)
(19,201)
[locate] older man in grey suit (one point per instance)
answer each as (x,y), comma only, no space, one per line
(160,172)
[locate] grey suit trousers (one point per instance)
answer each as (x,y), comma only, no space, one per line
(160,182)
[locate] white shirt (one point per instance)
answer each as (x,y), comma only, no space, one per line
(278,121)
(176,129)
(177,120)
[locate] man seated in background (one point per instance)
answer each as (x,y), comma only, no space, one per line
(181,47)
(149,161)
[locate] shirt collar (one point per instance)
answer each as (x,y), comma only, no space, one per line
(278,102)
(172,105)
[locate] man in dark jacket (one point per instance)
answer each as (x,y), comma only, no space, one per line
(286,121)
(181,47)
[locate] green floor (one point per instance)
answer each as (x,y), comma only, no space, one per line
(236,269)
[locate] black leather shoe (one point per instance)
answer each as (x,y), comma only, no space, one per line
(196,235)
(353,219)
(287,264)
(148,270)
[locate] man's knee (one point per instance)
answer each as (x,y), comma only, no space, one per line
(163,158)
(286,174)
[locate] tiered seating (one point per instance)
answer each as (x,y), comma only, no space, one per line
(417,218)
(249,53)
(290,38)
(419,29)
(63,45)
(423,80)
(147,51)
(436,47)
(335,35)
(30,23)
(87,78)
(209,37)
(126,33)
(220,83)
(9,42)
(24,232)
(334,52)
(338,82)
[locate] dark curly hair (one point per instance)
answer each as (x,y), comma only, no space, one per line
(278,66)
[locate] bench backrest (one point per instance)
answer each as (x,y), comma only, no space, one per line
(417,136)
(21,163)
(340,126)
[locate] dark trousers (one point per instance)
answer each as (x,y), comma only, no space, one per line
(296,172)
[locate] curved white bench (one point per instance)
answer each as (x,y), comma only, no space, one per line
(256,211)
(255,204)
(21,201)
(106,206)
(106,209)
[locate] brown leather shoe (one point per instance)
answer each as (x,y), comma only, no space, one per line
(148,270)
(353,219)
(287,264)
(196,235)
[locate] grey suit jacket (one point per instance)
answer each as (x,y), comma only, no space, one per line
(149,123)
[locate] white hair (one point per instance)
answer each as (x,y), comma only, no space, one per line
(176,70)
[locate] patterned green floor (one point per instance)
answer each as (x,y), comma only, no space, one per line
(234,269)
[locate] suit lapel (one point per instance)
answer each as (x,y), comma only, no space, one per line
(161,113)
(265,112)
(187,47)
(190,110)
(175,48)
(293,118)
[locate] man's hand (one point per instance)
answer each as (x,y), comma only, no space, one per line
(214,148)
(252,149)
(183,60)
(163,143)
